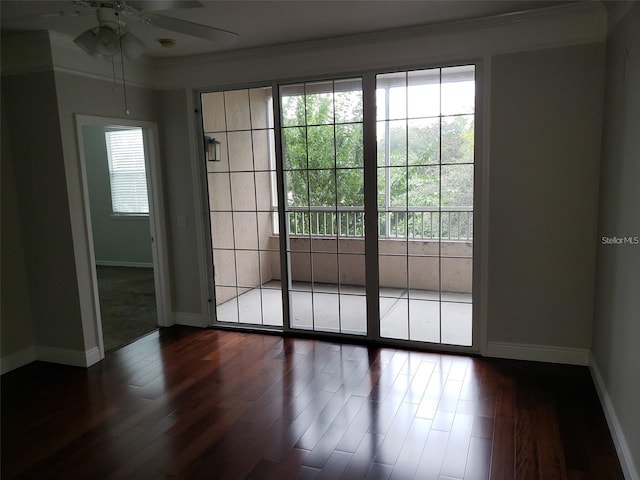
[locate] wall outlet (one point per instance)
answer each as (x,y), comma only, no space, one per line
(181,220)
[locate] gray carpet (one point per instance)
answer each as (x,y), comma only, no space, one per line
(127,304)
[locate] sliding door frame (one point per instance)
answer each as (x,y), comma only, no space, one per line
(480,206)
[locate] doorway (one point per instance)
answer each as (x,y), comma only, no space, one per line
(121,198)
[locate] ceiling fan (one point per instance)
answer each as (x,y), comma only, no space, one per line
(112,34)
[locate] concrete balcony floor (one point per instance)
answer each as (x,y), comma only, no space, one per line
(418,315)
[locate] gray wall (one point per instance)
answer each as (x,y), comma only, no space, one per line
(183,248)
(616,329)
(83,95)
(36,148)
(16,330)
(546,115)
(115,240)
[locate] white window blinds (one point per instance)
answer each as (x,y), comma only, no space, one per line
(125,150)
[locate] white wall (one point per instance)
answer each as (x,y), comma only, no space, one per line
(616,330)
(116,240)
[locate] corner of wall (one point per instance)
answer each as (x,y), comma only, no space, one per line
(617,434)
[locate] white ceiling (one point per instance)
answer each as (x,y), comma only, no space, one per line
(262,23)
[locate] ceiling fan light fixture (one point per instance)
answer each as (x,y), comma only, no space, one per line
(107,43)
(87,42)
(132,46)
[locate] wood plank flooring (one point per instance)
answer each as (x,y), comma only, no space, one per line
(190,403)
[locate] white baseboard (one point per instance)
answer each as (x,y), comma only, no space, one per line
(190,319)
(17,360)
(92,356)
(538,353)
(76,358)
(617,434)
(115,263)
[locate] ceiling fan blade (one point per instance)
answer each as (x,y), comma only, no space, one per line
(157,5)
(194,29)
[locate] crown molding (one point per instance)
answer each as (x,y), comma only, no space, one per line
(587,19)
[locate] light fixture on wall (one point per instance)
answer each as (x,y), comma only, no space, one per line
(212,149)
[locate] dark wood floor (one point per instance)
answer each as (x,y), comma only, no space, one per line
(221,405)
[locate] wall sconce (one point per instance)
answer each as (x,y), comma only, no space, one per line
(212,149)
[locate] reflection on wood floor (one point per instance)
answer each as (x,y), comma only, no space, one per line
(214,404)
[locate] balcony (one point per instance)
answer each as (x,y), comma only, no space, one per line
(326,255)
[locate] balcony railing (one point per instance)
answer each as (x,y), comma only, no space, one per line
(420,223)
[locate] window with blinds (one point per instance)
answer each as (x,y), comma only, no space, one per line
(125,151)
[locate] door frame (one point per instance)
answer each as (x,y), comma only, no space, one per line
(157,224)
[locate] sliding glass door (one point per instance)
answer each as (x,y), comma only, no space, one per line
(425,163)
(316,267)
(323,167)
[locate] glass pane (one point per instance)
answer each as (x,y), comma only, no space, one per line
(223,164)
(301,311)
(262,150)
(326,312)
(236,104)
(348,100)
(353,314)
(424,93)
(300,263)
(393,272)
(292,105)
(267,240)
(458,90)
(457,277)
(424,321)
(424,141)
(319,103)
(250,307)
(424,278)
(227,304)
(261,107)
(322,188)
(350,188)
(219,193)
(397,186)
(213,112)
(243,191)
(272,307)
(456,323)
(325,271)
(352,269)
(394,322)
(248,265)
(266,190)
(395,100)
(457,139)
(294,144)
(297,185)
(349,149)
(457,185)
(424,186)
(245,230)
(240,151)
(397,148)
(225,268)
(221,230)
(321,148)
